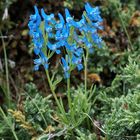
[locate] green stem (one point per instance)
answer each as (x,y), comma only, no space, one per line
(8,123)
(59,104)
(7,73)
(69,97)
(85,72)
(52,90)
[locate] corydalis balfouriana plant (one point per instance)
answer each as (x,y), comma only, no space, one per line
(72,40)
(50,35)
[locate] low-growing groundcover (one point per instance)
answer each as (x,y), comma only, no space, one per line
(88,111)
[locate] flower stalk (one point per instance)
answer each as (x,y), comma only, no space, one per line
(52,90)
(85,70)
(69,96)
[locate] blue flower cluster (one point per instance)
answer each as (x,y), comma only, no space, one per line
(50,35)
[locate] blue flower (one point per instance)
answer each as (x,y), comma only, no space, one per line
(92,30)
(37,63)
(65,33)
(37,34)
(46,17)
(48,27)
(70,48)
(43,60)
(69,19)
(87,43)
(78,62)
(97,40)
(89,29)
(34,22)
(97,25)
(76,53)
(61,43)
(58,35)
(51,35)
(54,47)
(62,34)
(37,47)
(93,13)
(36,50)
(61,23)
(32,26)
(36,17)
(37,41)
(66,68)
(80,24)
(79,52)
